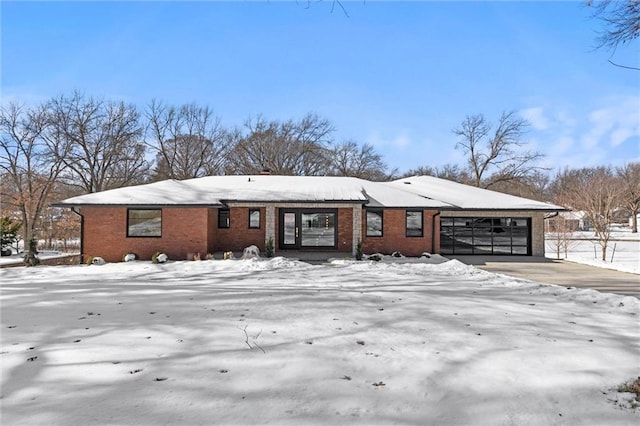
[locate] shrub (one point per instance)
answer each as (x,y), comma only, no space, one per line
(159,257)
(268,250)
(359,250)
(632,386)
(95,260)
(129,257)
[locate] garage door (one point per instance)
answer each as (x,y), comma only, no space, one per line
(485,235)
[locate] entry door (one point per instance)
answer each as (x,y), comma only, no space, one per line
(308,228)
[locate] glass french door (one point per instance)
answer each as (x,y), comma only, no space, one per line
(308,228)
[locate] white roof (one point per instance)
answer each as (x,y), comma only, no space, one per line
(418,192)
(217,190)
(468,197)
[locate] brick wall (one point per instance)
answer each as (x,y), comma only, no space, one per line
(394,234)
(184,230)
(239,235)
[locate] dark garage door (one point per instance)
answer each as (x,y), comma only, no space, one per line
(485,235)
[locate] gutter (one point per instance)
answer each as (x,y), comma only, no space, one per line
(73,209)
(433,231)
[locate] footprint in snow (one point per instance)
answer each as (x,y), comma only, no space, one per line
(379,384)
(136,371)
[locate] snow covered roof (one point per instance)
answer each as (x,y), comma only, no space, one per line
(468,197)
(419,192)
(217,190)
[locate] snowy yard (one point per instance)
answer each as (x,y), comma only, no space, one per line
(283,342)
(623,252)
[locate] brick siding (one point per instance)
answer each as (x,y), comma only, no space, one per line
(195,230)
(394,234)
(184,231)
(238,235)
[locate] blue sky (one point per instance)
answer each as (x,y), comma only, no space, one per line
(397,75)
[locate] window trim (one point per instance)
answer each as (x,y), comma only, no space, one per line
(228,224)
(259,219)
(130,209)
(406,223)
(366,223)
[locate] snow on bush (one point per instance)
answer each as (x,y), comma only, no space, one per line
(130,257)
(159,257)
(96,260)
(251,252)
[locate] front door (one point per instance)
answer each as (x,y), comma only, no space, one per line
(308,228)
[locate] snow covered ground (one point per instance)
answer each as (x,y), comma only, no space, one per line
(585,248)
(283,342)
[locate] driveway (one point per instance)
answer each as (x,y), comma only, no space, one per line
(561,272)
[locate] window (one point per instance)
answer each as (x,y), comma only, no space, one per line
(144,222)
(374,223)
(414,224)
(254,218)
(224,218)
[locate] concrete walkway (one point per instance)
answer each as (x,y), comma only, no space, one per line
(561,272)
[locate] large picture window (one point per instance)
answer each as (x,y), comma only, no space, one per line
(144,222)
(414,224)
(485,235)
(374,223)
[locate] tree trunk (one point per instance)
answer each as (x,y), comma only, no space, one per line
(604,253)
(634,223)
(30,258)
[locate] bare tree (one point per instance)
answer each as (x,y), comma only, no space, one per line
(104,136)
(451,172)
(596,192)
(31,155)
(498,156)
(621,19)
(534,186)
(630,180)
(189,141)
(298,148)
(560,231)
(361,161)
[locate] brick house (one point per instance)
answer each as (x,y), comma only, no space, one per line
(311,213)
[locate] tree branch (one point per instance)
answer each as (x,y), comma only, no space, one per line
(623,66)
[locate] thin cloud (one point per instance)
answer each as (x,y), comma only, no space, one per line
(536,117)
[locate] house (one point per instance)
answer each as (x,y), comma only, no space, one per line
(569,221)
(307,213)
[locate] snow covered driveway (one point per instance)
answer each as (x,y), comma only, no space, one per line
(282,342)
